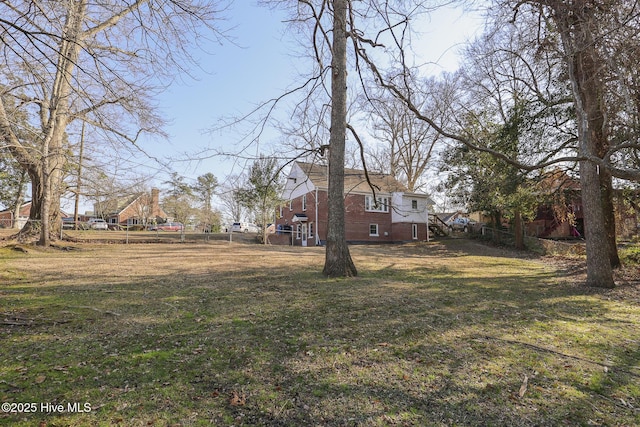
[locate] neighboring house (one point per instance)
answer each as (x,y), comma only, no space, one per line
(564,216)
(139,209)
(627,207)
(8,220)
(448,217)
(395,215)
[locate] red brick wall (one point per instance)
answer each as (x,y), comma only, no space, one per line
(356,218)
(403,232)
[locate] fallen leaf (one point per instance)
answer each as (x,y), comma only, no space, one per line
(238,399)
(40,379)
(523,387)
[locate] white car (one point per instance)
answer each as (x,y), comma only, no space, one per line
(98,224)
(244,227)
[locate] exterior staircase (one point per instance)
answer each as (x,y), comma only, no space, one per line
(437,227)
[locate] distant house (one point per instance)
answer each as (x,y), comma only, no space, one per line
(138,209)
(8,219)
(392,215)
(627,208)
(563,216)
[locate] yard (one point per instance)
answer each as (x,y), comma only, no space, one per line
(441,334)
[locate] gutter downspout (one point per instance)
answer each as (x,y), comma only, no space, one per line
(317,233)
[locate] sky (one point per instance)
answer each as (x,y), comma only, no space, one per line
(258,67)
(258,64)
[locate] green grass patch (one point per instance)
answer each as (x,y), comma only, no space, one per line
(216,334)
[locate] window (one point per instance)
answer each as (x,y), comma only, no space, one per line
(304,202)
(414,231)
(370,204)
(373,230)
(298,232)
(414,205)
(311,230)
(290,205)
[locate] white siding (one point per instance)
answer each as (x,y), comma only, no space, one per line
(297,184)
(403,211)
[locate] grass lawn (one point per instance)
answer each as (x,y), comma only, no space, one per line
(443,334)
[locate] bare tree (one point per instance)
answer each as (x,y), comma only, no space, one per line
(575,30)
(262,192)
(101,62)
(407,144)
(230,195)
(338,260)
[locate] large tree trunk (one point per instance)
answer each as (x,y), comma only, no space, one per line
(583,66)
(338,262)
(606,189)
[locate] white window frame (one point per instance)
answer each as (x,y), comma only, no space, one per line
(310,230)
(298,232)
(377,231)
(414,231)
(304,202)
(290,205)
(382,205)
(414,202)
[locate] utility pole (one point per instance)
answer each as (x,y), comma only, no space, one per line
(79,180)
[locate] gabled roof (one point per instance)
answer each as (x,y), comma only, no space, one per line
(355,180)
(558,180)
(124,202)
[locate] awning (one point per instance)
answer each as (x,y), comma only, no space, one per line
(299,218)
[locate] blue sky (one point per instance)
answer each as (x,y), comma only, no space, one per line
(257,67)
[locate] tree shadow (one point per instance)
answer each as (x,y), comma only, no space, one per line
(400,345)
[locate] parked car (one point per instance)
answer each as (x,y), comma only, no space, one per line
(97,224)
(167,226)
(461,224)
(245,227)
(68,223)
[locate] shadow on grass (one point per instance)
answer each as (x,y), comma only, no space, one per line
(413,343)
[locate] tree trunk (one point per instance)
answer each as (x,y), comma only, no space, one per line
(606,190)
(518,230)
(338,262)
(583,67)
(599,272)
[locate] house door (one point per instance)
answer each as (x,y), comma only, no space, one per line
(304,235)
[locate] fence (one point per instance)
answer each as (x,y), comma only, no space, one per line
(80,231)
(534,244)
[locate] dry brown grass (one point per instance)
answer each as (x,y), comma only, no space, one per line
(453,333)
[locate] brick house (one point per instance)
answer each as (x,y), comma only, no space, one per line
(138,209)
(398,215)
(8,220)
(561,215)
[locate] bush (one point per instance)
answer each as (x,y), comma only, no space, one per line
(630,255)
